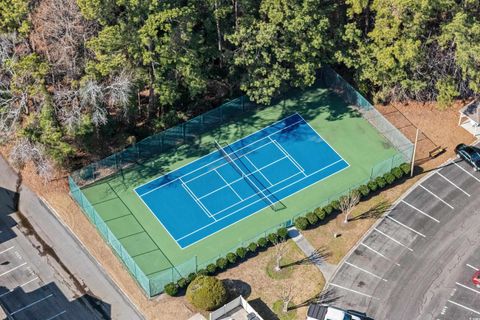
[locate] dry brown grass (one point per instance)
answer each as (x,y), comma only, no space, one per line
(440,126)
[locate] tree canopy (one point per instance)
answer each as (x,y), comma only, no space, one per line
(82,76)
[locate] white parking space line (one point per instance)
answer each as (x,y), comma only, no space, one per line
(13,269)
(406,227)
(422,212)
(29,281)
(366,271)
(394,240)
(466,287)
(433,194)
(31,304)
(470,266)
(57,315)
(380,254)
(471,175)
(7,249)
(351,290)
(464,307)
(453,184)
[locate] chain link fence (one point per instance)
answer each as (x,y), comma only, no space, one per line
(150,148)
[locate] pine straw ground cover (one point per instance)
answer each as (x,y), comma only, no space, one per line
(252,272)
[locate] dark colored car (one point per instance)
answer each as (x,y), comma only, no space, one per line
(470,154)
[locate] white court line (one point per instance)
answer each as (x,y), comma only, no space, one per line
(394,240)
(366,271)
(464,286)
(415,208)
(57,315)
(406,227)
(441,175)
(351,290)
(13,269)
(295,182)
(242,178)
(470,266)
(258,170)
(462,306)
(221,158)
(228,184)
(433,194)
(226,163)
(289,156)
(380,254)
(7,249)
(200,204)
(471,175)
(32,304)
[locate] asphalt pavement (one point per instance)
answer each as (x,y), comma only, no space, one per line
(45,273)
(417,262)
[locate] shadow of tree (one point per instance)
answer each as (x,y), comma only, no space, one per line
(317,257)
(8,206)
(237,288)
(327,296)
(375,212)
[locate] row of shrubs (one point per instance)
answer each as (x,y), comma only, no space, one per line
(230,259)
(312,218)
(301,223)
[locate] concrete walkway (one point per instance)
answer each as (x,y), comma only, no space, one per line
(327,269)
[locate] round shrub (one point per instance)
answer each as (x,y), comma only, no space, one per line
(262,242)
(222,263)
(372,185)
(320,213)
(405,168)
(335,204)
(380,182)
(364,190)
(202,272)
(231,257)
(282,233)
(182,283)
(312,218)
(252,247)
(241,252)
(389,178)
(328,209)
(206,293)
(211,268)
(171,289)
(272,237)
(191,277)
(301,223)
(397,172)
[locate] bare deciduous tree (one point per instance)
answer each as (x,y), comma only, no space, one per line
(119,91)
(281,248)
(348,202)
(24,151)
(287,293)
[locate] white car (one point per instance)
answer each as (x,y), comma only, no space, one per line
(318,311)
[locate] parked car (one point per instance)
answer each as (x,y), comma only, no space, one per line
(470,154)
(318,311)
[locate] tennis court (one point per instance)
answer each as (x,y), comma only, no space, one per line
(239,180)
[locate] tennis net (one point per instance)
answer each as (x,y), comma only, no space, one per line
(274,205)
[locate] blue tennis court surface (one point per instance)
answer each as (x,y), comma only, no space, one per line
(253,173)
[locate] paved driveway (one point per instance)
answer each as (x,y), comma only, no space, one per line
(418,261)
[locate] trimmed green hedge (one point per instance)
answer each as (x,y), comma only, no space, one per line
(301,223)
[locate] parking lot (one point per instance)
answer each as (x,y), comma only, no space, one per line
(417,262)
(30,287)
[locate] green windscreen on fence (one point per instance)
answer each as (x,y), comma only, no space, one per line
(104,189)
